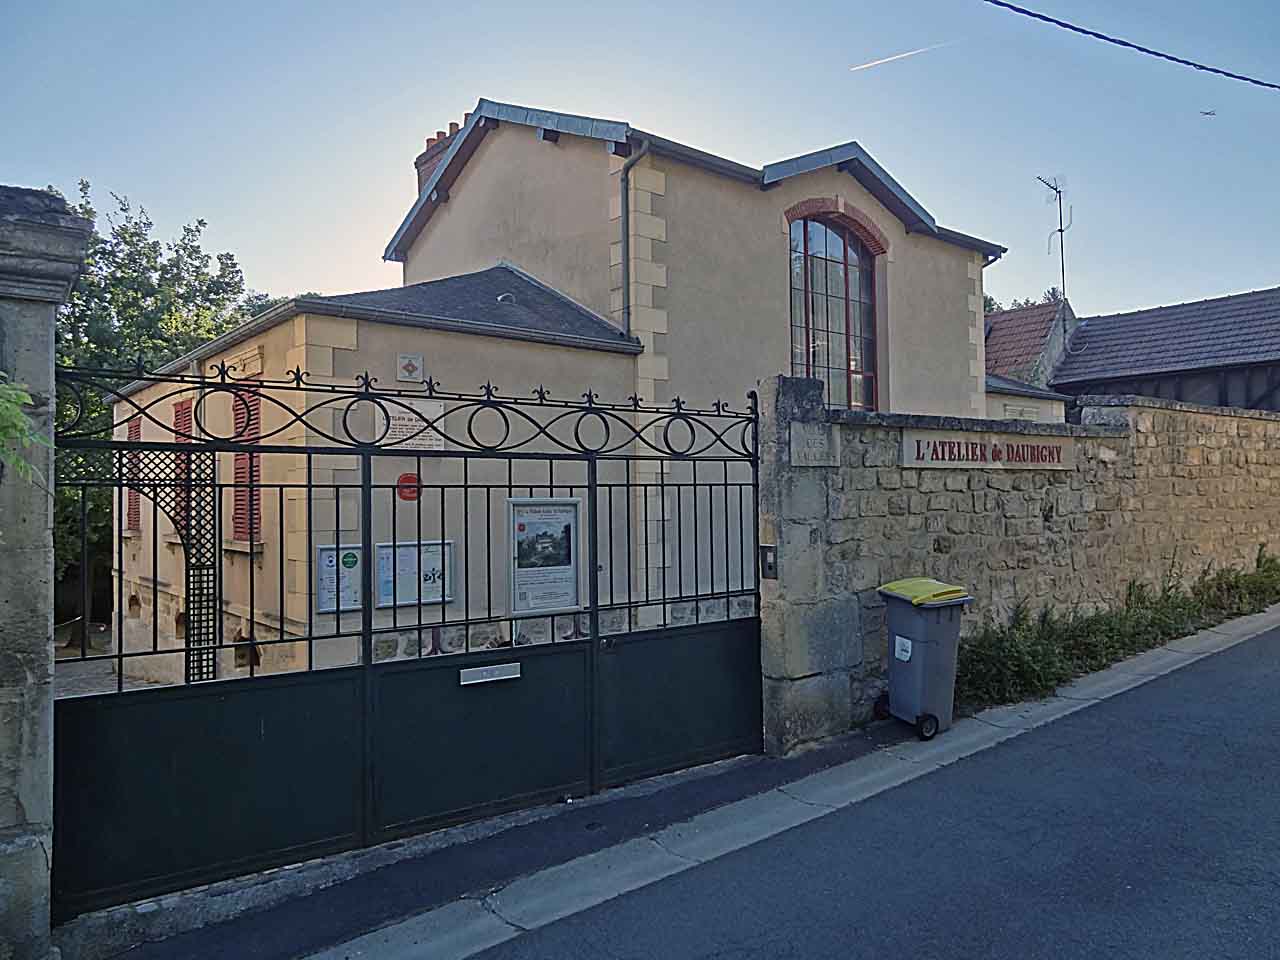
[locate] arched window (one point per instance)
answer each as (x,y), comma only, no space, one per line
(833,317)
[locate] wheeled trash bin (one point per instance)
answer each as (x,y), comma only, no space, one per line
(924,634)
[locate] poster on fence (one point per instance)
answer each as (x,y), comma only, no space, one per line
(545,547)
(337,574)
(402,566)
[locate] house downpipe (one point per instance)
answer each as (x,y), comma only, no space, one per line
(630,162)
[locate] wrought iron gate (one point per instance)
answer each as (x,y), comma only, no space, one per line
(418,606)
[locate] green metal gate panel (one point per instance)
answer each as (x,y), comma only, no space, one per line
(311,710)
(458,739)
(161,789)
(677,697)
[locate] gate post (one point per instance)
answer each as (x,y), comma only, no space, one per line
(810,629)
(42,246)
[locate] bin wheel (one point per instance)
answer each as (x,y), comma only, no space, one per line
(927,726)
(880,710)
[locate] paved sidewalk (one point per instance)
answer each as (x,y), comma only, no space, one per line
(542,901)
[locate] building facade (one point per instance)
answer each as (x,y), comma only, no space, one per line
(818,265)
(568,257)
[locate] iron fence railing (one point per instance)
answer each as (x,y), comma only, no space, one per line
(246,525)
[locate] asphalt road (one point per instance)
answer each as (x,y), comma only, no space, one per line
(1145,826)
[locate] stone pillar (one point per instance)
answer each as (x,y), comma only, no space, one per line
(42,248)
(810,638)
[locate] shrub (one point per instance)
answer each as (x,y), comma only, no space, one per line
(1032,654)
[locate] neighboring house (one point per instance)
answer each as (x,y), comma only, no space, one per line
(1022,346)
(1222,352)
(497,326)
(817,265)
(1024,343)
(1010,399)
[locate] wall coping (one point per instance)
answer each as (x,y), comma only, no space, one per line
(1153,403)
(917,421)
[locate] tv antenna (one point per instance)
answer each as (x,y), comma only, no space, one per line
(1056,187)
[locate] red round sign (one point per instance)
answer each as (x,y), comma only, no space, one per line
(407,486)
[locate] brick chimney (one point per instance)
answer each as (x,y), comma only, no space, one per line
(436,146)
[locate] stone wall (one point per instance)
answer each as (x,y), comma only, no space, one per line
(1153,484)
(41,247)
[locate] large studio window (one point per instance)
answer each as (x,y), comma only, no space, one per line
(833,318)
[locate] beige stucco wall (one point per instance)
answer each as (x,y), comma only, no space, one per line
(153,558)
(726,297)
(543,206)
(1008,406)
(709,284)
(333,351)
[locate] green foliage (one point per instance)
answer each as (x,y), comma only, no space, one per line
(1031,655)
(17,432)
(991,305)
(138,300)
(141,298)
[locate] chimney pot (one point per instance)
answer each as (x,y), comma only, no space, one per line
(430,141)
(440,134)
(453,128)
(466,118)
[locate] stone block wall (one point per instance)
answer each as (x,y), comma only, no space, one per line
(1153,485)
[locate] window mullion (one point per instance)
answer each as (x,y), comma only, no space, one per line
(808,336)
(848,359)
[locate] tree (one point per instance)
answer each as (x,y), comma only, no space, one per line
(1052,295)
(143,301)
(990,304)
(139,299)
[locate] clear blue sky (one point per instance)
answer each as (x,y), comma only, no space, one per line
(292,127)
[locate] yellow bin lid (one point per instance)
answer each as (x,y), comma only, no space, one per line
(925,591)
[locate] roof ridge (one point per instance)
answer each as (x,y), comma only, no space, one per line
(1184,303)
(1032,306)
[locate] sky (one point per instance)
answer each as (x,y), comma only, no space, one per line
(292,127)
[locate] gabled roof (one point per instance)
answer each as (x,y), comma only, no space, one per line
(1017,388)
(849,157)
(1224,331)
(1016,339)
(467,303)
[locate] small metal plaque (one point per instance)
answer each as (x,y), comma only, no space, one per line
(498,671)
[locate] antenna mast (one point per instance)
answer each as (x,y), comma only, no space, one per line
(1057,189)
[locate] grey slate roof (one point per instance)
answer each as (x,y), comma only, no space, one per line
(466,303)
(1018,388)
(470,302)
(1223,331)
(849,157)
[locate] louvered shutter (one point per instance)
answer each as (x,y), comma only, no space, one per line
(133,520)
(246,515)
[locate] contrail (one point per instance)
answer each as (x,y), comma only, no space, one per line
(897,56)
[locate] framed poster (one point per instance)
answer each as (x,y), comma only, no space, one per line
(396,582)
(337,575)
(546,546)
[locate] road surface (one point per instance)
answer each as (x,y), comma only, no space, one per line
(1145,826)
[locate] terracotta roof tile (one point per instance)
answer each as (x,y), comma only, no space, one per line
(1015,339)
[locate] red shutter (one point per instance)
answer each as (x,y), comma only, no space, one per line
(246,517)
(133,520)
(182,461)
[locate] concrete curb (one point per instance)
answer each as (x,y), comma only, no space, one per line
(461,930)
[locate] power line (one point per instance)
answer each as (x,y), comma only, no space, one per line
(1132,46)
